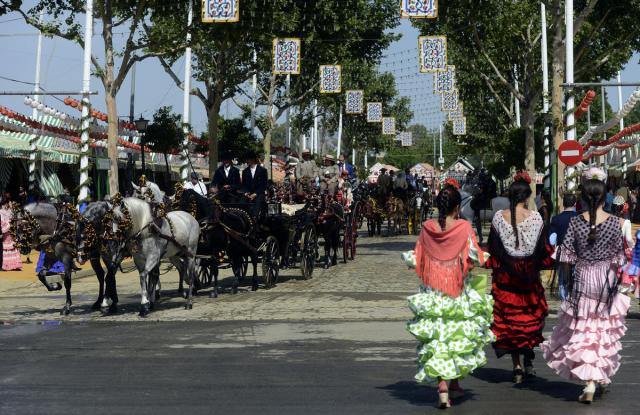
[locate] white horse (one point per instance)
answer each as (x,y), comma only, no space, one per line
(150,239)
(142,192)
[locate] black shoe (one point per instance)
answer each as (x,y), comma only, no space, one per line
(518,376)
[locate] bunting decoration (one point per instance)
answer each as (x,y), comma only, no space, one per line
(286,56)
(460,126)
(449,101)
(374,111)
(459,113)
(220,11)
(433,53)
(388,125)
(330,79)
(445,81)
(354,101)
(419,9)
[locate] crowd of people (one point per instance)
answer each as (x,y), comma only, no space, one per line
(595,264)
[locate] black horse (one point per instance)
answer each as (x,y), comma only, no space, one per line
(227,230)
(330,223)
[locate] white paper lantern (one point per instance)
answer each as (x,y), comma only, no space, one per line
(40,107)
(34,104)
(27,101)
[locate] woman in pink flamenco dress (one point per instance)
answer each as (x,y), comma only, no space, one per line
(585,344)
(10,256)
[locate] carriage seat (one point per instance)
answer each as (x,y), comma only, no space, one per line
(291,210)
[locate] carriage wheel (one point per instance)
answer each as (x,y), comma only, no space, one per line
(270,262)
(309,251)
(346,240)
(354,238)
(203,272)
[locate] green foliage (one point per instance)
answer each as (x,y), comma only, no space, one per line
(234,136)
(164,134)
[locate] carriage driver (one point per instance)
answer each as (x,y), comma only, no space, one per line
(226,179)
(196,185)
(307,170)
(254,183)
(330,174)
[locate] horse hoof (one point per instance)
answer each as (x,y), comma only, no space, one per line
(152,306)
(97,305)
(144,310)
(254,287)
(326,266)
(213,294)
(188,306)
(113,309)
(234,289)
(65,311)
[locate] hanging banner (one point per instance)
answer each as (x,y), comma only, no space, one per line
(388,126)
(460,126)
(449,101)
(459,113)
(374,111)
(419,9)
(445,81)
(330,79)
(354,101)
(433,53)
(220,11)
(286,56)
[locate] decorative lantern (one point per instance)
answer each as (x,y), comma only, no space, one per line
(388,126)
(444,81)
(354,102)
(286,56)
(220,11)
(433,53)
(419,9)
(330,79)
(374,111)
(449,101)
(460,126)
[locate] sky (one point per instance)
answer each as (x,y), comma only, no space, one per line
(62,70)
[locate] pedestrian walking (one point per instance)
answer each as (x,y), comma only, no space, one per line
(557,230)
(10,259)
(452,312)
(585,343)
(519,251)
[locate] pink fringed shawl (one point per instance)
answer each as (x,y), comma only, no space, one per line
(442,257)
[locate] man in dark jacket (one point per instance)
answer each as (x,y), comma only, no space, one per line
(560,223)
(227,179)
(254,183)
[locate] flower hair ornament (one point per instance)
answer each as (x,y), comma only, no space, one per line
(452,182)
(522,176)
(594,173)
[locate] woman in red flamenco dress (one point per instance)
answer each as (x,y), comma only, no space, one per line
(516,259)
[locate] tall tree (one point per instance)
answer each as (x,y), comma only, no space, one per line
(500,42)
(164,134)
(113,65)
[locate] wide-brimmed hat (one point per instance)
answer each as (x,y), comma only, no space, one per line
(306,151)
(330,157)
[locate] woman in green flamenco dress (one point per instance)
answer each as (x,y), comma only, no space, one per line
(452,312)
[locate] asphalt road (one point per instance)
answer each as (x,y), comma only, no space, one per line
(335,344)
(261,368)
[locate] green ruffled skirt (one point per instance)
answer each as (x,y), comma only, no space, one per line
(452,331)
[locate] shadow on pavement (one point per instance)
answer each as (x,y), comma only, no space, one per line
(554,389)
(423,395)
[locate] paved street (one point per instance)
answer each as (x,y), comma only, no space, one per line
(335,344)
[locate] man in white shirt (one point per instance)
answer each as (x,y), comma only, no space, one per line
(196,185)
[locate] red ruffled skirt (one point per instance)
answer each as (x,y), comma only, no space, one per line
(519,312)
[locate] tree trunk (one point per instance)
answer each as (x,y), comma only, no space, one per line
(557,125)
(530,142)
(213,114)
(266,143)
(112,143)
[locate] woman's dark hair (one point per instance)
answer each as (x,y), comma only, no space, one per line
(447,201)
(519,191)
(546,196)
(594,194)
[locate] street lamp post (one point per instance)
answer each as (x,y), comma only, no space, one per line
(141,126)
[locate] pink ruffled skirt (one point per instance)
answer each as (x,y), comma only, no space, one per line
(586,346)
